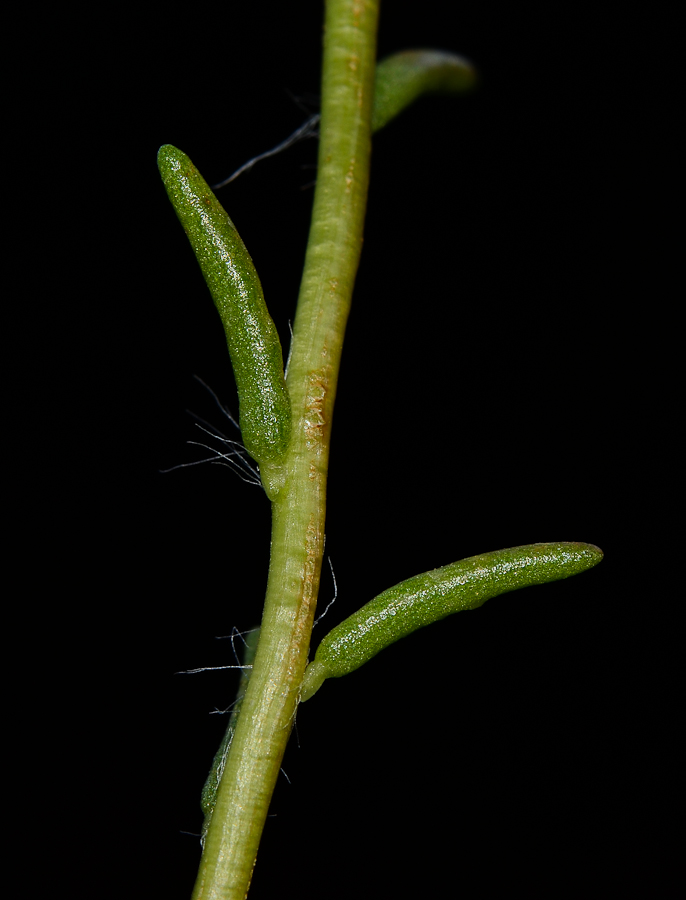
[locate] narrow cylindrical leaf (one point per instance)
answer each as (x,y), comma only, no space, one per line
(426,598)
(254,346)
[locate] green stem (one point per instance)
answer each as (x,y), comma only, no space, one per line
(298,511)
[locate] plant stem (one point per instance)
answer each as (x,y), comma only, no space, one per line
(298,510)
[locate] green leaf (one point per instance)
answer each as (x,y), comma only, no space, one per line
(405,76)
(426,598)
(254,346)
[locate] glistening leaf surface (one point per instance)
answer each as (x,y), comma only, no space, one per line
(254,347)
(426,598)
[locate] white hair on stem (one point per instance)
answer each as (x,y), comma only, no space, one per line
(307,129)
(333,600)
(234,457)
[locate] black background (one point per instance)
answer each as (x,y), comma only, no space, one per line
(493,392)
